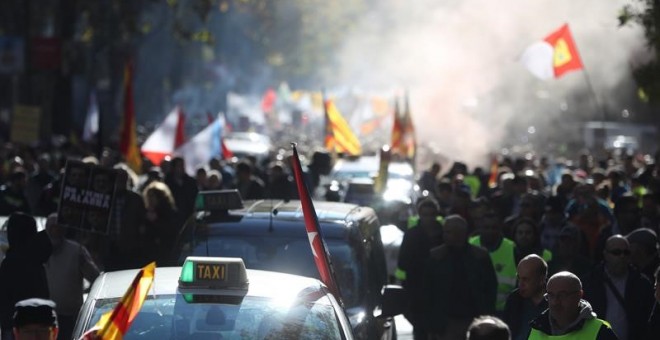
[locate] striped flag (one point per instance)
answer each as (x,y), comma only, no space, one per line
(409,139)
(397,131)
(339,137)
(128,143)
(494,172)
(168,136)
(319,248)
(114,324)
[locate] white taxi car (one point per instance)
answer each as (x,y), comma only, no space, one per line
(217,298)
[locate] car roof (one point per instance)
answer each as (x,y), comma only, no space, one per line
(262,283)
(371,164)
(292,210)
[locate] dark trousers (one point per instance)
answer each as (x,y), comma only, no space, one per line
(65,324)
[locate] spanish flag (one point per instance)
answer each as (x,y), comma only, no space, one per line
(338,134)
(397,131)
(128,143)
(114,324)
(409,139)
(553,57)
(494,173)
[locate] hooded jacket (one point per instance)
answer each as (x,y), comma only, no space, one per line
(543,325)
(22,274)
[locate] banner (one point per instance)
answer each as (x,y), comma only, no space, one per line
(87,197)
(25,124)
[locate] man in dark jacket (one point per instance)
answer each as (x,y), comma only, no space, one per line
(568,315)
(653,324)
(22,272)
(618,292)
(423,234)
(527,301)
(459,283)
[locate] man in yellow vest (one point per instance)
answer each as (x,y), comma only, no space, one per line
(568,315)
(501,251)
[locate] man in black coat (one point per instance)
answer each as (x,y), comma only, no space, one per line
(618,292)
(22,272)
(459,283)
(526,302)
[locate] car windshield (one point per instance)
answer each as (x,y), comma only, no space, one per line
(172,317)
(288,255)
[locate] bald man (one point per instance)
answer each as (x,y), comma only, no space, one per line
(568,314)
(460,283)
(618,292)
(526,302)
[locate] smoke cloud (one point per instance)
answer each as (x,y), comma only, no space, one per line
(469,94)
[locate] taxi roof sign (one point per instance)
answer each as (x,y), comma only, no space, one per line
(218,200)
(213,273)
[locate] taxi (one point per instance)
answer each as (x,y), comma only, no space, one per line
(218,298)
(270,235)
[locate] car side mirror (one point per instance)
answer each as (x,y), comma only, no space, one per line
(394,300)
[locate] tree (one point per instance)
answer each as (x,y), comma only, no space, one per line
(647,75)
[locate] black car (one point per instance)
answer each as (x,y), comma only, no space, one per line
(271,235)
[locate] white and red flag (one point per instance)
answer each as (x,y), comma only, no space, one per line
(319,248)
(166,138)
(554,56)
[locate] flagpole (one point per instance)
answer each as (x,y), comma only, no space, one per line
(599,105)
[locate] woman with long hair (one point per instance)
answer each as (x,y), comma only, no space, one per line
(162,224)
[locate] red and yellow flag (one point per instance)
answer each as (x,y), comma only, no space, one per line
(397,131)
(338,136)
(409,139)
(128,145)
(114,324)
(565,56)
(494,173)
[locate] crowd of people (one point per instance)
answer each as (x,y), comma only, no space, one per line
(551,248)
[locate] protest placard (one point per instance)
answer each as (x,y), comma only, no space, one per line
(87,197)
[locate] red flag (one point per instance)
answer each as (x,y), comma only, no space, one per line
(268,101)
(180,136)
(319,248)
(128,142)
(566,57)
(226,153)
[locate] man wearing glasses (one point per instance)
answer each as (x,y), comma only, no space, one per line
(618,292)
(568,316)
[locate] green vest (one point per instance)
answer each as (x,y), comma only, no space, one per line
(547,255)
(504,262)
(589,331)
(413,221)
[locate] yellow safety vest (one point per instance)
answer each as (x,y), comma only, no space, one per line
(504,262)
(589,331)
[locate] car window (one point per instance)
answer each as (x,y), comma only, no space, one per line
(288,255)
(172,317)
